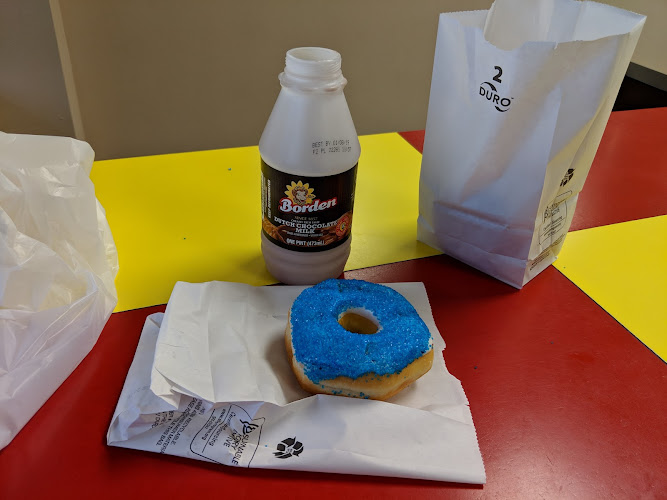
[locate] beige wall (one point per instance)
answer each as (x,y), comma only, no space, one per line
(159,76)
(651,51)
(32,90)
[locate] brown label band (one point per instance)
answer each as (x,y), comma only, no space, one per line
(305,213)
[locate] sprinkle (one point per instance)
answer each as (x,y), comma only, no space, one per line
(327,350)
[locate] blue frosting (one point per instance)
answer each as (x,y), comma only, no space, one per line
(327,350)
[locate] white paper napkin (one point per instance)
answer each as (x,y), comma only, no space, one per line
(210,380)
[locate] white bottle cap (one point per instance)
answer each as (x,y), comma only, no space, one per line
(313,68)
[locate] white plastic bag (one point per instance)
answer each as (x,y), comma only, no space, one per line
(520,97)
(58,263)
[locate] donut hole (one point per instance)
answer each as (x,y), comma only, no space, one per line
(356,323)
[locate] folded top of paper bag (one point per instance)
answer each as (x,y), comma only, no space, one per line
(510,23)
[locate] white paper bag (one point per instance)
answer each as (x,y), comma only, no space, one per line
(520,96)
(58,262)
(211,381)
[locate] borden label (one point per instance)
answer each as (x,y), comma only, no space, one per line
(307,214)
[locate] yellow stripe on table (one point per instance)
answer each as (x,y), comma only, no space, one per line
(196,216)
(623,267)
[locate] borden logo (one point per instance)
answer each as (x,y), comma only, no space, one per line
(489,90)
(300,199)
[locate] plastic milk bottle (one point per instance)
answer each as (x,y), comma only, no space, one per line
(309,152)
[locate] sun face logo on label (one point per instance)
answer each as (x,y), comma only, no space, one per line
(301,199)
(490,91)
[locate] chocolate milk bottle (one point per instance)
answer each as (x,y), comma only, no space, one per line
(309,152)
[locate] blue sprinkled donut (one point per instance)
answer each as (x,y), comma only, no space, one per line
(358,339)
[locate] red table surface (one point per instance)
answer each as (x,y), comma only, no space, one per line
(566,402)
